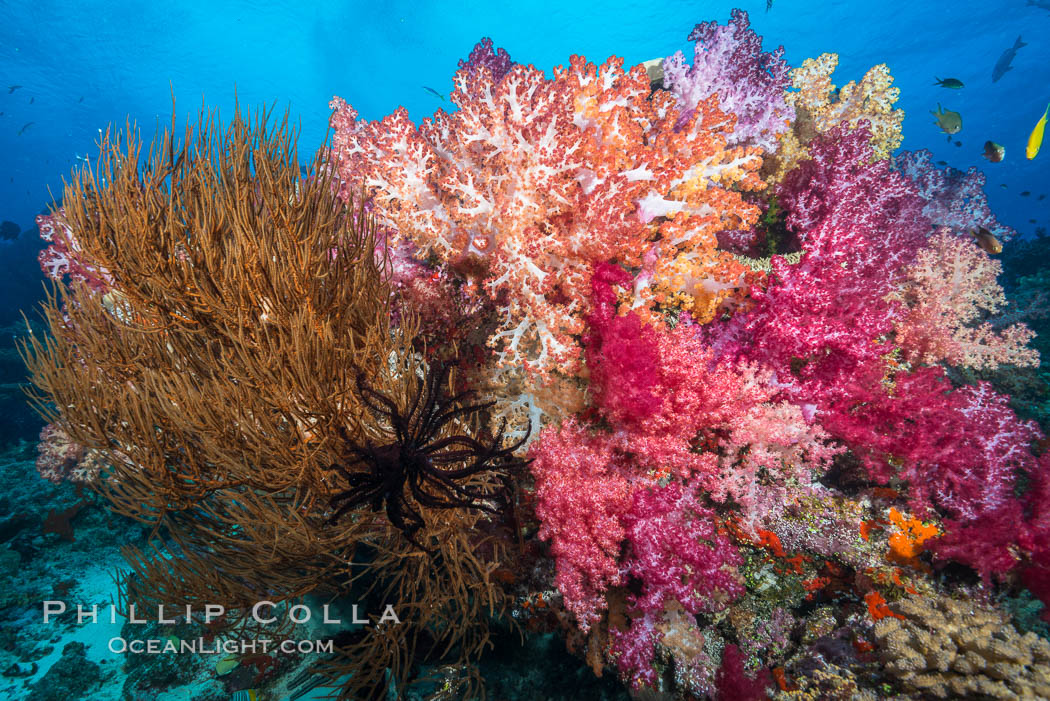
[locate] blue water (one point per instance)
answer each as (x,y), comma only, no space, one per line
(124,58)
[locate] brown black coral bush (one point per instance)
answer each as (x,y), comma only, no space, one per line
(219,372)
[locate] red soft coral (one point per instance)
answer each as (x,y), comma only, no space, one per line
(678,411)
(734,684)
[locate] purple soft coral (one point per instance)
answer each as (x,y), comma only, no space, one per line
(497,61)
(953,198)
(729,60)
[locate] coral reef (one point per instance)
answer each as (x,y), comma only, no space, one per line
(686,372)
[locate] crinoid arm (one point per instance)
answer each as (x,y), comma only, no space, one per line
(431,456)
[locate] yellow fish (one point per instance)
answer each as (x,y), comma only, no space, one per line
(1035,139)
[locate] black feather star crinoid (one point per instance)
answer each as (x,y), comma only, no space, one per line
(424,464)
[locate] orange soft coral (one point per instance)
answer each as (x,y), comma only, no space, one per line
(538,179)
(907,543)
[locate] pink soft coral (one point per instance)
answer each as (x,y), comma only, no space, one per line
(65,257)
(952,286)
(583,490)
(666,410)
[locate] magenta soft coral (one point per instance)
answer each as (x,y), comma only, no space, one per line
(675,556)
(959,450)
(484,56)
(734,684)
(1036,538)
(826,327)
(821,321)
(64,256)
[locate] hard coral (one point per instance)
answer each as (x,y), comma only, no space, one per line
(946,648)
